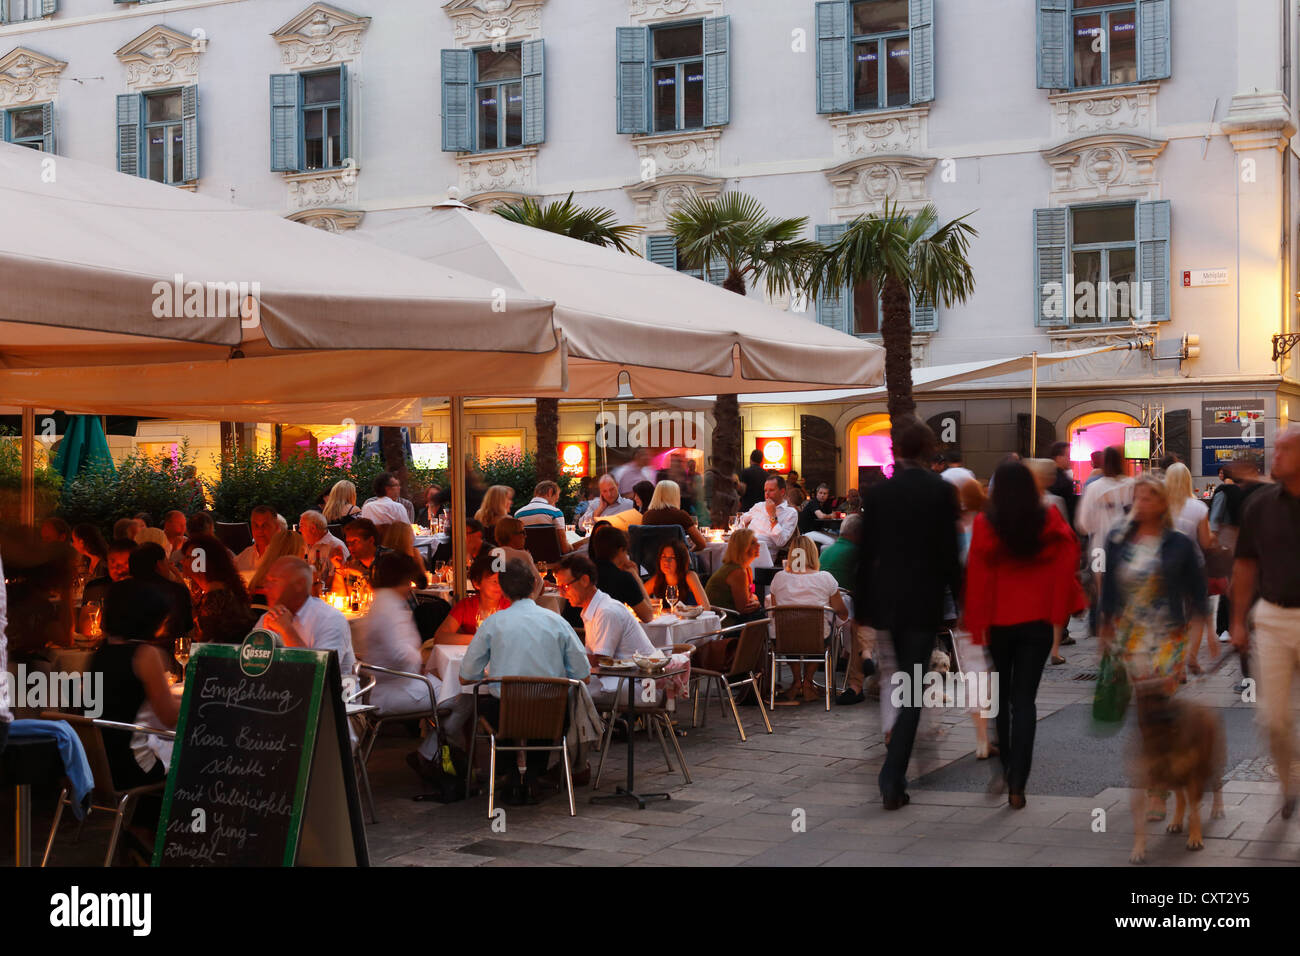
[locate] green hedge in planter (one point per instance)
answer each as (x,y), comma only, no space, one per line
(519,471)
(154,484)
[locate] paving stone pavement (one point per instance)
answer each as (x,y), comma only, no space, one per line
(806,796)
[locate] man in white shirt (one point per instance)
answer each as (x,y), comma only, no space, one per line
(322,547)
(264,523)
(772,519)
(609,628)
(174,529)
(609,504)
(302,620)
(387,506)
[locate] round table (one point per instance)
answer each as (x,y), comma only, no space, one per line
(667,629)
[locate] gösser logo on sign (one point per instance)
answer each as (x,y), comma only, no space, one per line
(256,652)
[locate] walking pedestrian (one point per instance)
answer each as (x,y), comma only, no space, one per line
(1267,566)
(1191,517)
(909,558)
(1020,584)
(1104,503)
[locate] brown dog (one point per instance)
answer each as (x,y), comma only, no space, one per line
(1181,748)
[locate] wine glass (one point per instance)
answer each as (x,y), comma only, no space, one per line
(439,570)
(670,595)
(182,651)
(94,613)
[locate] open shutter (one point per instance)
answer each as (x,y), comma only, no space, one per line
(833,56)
(285,141)
(457,131)
(48,7)
(920,17)
(1153,40)
(345,115)
(1153,223)
(833,307)
(662,250)
(1050,251)
(534,92)
(190,131)
(633,45)
(717,71)
(128,134)
(1053,44)
(717,273)
(925,314)
(47,127)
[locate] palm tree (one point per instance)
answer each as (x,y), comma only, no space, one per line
(905,256)
(735,232)
(597,226)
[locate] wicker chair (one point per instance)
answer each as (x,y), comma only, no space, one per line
(746,668)
(532,708)
(800,637)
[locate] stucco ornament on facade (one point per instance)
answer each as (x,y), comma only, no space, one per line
(509,169)
(657,199)
(694,151)
(28,77)
(329,220)
(880,133)
(655,11)
(867,185)
(1104,166)
(323,188)
(483,22)
(162,57)
(321,36)
(1126,108)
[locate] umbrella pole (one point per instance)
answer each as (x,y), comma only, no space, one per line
(1033,406)
(458,491)
(28,516)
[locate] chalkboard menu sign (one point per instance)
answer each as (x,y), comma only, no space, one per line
(261,774)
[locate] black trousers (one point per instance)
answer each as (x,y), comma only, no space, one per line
(910,648)
(1019,653)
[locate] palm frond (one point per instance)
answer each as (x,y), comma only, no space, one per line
(595,225)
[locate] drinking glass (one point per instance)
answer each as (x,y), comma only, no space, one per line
(94,612)
(670,595)
(182,651)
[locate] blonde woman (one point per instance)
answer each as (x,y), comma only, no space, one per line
(802,581)
(341,505)
(401,537)
(732,585)
(284,543)
(666,509)
(497,503)
(1191,516)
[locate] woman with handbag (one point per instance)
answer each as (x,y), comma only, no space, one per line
(1153,596)
(1191,516)
(1020,582)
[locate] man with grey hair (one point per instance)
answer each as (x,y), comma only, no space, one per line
(1267,567)
(302,620)
(322,547)
(609,504)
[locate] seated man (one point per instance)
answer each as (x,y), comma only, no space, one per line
(388,506)
(302,620)
(523,640)
(322,547)
(174,527)
(541,512)
(609,505)
(264,523)
(363,547)
(772,520)
(119,569)
(609,628)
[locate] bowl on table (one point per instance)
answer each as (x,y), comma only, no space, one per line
(649,665)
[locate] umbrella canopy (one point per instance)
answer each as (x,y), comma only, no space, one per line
(671,332)
(83,444)
(158,288)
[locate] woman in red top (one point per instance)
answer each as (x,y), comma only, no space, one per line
(459,626)
(1020,581)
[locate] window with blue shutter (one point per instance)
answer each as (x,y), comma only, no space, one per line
(662,250)
(833,306)
(15,11)
(190,133)
(1084,44)
(128,134)
(676,76)
(1051,247)
(286,143)
(874,54)
(493,98)
(164,144)
(1153,232)
(30,126)
(310,120)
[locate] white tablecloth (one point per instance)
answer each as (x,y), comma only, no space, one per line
(444,663)
(712,556)
(669,629)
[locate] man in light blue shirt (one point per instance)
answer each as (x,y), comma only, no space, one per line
(523,640)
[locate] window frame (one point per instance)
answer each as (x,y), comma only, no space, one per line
(1105,11)
(475,85)
(680,64)
(6,12)
(882,66)
(1105,248)
(146,126)
(304,108)
(36,142)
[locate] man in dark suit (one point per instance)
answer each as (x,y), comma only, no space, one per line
(909,559)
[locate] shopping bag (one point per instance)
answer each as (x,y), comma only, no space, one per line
(1110,701)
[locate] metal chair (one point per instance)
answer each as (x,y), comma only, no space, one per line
(646,541)
(531,708)
(372,721)
(105,796)
(235,535)
(746,668)
(800,637)
(541,542)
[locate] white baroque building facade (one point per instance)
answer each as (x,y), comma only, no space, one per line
(1134,141)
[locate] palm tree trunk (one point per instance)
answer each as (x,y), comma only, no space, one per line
(393,450)
(547,422)
(896,336)
(727,430)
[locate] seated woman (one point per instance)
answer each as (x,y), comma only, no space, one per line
(511,539)
(401,537)
(666,508)
(643,493)
(341,505)
(93,551)
(732,585)
(221,611)
(496,505)
(387,637)
(616,573)
(134,672)
(674,570)
(468,613)
(803,582)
